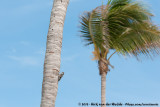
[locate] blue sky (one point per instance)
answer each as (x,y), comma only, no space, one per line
(23,30)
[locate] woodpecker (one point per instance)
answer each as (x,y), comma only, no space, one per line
(60,76)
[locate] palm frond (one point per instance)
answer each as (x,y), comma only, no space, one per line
(122,25)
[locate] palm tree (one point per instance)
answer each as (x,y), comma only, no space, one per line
(53,53)
(121,26)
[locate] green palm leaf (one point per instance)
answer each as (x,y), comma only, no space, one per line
(122,25)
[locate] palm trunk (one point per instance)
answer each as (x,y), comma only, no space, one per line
(53,53)
(103,89)
(103,68)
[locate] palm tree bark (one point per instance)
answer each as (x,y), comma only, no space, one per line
(53,53)
(103,89)
(103,68)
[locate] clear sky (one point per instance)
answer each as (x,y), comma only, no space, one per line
(23,30)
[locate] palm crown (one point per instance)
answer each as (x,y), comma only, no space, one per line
(122,25)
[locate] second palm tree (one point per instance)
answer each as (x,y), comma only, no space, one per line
(123,26)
